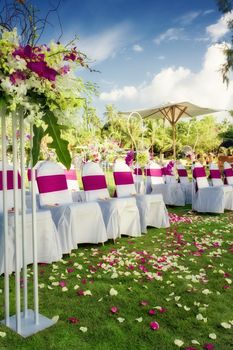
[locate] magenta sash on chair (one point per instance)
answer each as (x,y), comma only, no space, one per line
(123,178)
(29,173)
(154,172)
(215,174)
(51,183)
(228,172)
(94,182)
(182,172)
(71,174)
(137,171)
(10,180)
(199,172)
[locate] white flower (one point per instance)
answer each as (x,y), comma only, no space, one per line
(212,336)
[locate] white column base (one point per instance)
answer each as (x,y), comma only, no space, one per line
(28,326)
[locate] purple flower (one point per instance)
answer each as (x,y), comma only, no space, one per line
(43,70)
(17,77)
(129,158)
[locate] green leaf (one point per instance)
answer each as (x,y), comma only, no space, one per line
(60,145)
(38,133)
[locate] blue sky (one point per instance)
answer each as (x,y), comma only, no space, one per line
(148,52)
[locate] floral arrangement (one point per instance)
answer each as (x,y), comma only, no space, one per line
(40,82)
(130,157)
(142,158)
(170,168)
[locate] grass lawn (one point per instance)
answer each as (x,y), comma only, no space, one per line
(180,278)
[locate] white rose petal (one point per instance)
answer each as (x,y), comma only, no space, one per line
(120,319)
(2,334)
(55,318)
(113,292)
(226,325)
(64,289)
(83,329)
(212,336)
(178,342)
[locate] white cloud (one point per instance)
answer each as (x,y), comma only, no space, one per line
(161,57)
(207,12)
(137,48)
(169,34)
(188,17)
(204,88)
(104,45)
(218,30)
(127,92)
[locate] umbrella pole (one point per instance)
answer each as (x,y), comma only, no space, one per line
(174,139)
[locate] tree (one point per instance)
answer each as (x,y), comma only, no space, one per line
(226,6)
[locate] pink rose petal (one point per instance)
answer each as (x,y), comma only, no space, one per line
(151,312)
(154,325)
(114,309)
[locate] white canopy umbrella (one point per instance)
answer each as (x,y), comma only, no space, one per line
(172,112)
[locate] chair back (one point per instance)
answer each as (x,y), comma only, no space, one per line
(52,184)
(10,187)
(228,173)
(94,182)
(199,175)
(182,173)
(215,175)
(72,180)
(123,179)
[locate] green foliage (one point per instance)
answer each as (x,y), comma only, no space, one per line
(61,146)
(226,6)
(38,134)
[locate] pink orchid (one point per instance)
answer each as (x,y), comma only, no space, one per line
(154,325)
(114,309)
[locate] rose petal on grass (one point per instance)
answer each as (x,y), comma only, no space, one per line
(114,309)
(151,312)
(83,329)
(2,334)
(208,346)
(64,289)
(226,325)
(212,336)
(195,342)
(120,319)
(113,292)
(139,319)
(178,342)
(73,320)
(154,325)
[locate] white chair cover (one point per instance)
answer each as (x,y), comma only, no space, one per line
(139,180)
(72,183)
(48,246)
(185,184)
(120,215)
(171,192)
(228,173)
(152,209)
(206,198)
(216,180)
(76,222)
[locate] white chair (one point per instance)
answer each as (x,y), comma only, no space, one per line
(216,180)
(139,180)
(72,183)
(120,215)
(48,245)
(152,209)
(76,222)
(171,192)
(206,198)
(228,173)
(185,184)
